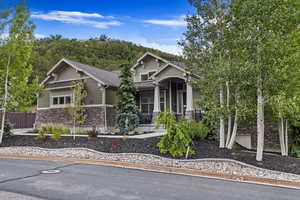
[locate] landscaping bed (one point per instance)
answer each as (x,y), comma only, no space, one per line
(204,149)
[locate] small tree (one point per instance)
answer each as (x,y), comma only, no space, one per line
(76,109)
(18,90)
(127,120)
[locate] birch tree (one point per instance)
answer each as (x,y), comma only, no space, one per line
(18,90)
(262,23)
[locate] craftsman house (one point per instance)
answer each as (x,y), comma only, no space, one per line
(161,85)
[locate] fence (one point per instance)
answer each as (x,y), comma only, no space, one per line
(20,119)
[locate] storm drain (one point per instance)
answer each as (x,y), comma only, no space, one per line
(51,171)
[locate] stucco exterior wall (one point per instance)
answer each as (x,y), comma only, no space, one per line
(112,96)
(149,64)
(66,73)
(94,92)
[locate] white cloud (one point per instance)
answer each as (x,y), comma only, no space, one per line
(74,17)
(173,22)
(173,49)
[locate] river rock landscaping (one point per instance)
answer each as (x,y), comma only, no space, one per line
(106,148)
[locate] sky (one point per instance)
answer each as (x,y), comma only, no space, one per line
(157,24)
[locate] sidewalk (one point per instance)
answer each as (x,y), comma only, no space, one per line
(157,133)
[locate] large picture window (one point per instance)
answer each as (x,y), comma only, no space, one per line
(61,100)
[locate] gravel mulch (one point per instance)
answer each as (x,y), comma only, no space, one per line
(204,149)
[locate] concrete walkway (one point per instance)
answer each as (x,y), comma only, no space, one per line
(157,133)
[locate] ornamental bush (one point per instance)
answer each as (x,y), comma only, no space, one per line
(127,123)
(180,135)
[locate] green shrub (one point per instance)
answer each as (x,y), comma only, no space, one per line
(7,128)
(127,123)
(56,133)
(180,135)
(42,133)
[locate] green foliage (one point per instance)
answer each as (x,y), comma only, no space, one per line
(56,133)
(15,53)
(101,52)
(127,91)
(127,123)
(166,118)
(7,128)
(180,135)
(56,130)
(76,109)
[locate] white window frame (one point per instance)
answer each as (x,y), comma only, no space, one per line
(147,74)
(60,105)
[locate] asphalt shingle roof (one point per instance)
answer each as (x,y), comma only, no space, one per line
(107,77)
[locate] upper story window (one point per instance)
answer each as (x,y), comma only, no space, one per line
(146,76)
(61,100)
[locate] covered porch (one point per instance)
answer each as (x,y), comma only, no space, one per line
(171,93)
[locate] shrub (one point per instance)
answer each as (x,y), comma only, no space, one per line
(42,133)
(56,133)
(7,128)
(180,135)
(127,122)
(93,133)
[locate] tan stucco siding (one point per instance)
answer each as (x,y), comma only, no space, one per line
(94,92)
(149,64)
(43,100)
(67,73)
(112,96)
(169,72)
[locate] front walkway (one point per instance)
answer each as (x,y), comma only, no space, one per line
(157,133)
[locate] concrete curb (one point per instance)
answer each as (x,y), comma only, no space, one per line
(172,170)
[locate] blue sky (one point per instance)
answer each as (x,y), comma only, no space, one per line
(153,23)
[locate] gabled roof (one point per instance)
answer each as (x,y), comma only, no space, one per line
(102,76)
(148,54)
(169,65)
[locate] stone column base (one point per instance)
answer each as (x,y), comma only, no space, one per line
(190,115)
(154,116)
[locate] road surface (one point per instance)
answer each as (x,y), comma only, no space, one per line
(22,179)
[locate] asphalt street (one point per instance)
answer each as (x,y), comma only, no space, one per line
(23,180)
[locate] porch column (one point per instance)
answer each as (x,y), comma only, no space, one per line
(156,109)
(189,113)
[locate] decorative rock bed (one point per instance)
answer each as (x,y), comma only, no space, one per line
(225,166)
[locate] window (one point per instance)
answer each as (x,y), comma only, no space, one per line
(147,103)
(61,100)
(146,76)
(162,99)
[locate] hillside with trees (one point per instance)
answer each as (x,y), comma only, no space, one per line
(101,52)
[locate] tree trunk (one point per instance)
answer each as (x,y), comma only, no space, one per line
(222,123)
(286,139)
(229,122)
(234,131)
(5,100)
(260,121)
(281,136)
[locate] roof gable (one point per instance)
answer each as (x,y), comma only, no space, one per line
(145,55)
(102,76)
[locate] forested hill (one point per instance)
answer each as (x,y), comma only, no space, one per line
(100,52)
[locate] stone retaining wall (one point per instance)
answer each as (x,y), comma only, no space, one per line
(95,116)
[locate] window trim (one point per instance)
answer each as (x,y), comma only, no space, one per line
(147,74)
(58,100)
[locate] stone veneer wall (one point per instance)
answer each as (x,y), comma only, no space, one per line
(271,141)
(94,118)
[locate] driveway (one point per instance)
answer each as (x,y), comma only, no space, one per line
(21,179)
